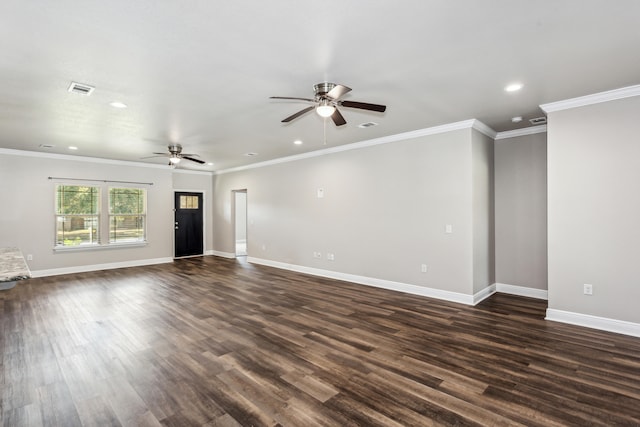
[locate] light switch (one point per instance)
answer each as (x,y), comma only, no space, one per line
(320,193)
(448,228)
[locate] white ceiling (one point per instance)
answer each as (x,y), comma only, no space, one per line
(201,72)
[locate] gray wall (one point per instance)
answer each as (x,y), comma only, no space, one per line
(482,211)
(27,209)
(521,211)
(383,213)
(594,209)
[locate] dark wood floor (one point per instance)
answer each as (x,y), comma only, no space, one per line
(208,341)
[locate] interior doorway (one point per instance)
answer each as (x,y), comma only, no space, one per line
(240,220)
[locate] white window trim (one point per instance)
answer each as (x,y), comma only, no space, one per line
(104,217)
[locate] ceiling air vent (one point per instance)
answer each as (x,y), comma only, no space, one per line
(538,121)
(367,125)
(80,88)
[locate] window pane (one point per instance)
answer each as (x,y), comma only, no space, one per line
(188,202)
(77,200)
(77,230)
(126,201)
(126,228)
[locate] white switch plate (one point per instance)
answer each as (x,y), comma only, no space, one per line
(423,268)
(320,193)
(330,257)
(448,228)
(317,254)
(588,289)
(29,257)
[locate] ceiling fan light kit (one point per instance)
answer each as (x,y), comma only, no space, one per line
(325,109)
(326,102)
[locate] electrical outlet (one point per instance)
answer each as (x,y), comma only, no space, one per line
(448,228)
(317,254)
(330,257)
(29,257)
(423,268)
(588,289)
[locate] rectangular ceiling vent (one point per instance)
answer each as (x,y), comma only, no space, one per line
(367,125)
(538,121)
(80,88)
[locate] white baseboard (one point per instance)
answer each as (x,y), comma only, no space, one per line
(522,291)
(595,322)
(209,252)
(478,297)
(97,267)
(222,254)
(370,281)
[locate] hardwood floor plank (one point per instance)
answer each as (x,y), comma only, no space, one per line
(208,341)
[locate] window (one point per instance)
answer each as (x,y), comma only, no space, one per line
(189,202)
(99,216)
(126,215)
(77,215)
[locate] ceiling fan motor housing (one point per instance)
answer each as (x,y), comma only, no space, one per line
(175,148)
(322,89)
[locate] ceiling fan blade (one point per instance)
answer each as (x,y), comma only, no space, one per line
(192,159)
(338,118)
(151,157)
(364,106)
(338,91)
(293,98)
(190,155)
(298,114)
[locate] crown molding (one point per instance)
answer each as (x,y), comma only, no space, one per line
(434,130)
(464,124)
(23,153)
(192,172)
(532,130)
(581,101)
(38,154)
(483,129)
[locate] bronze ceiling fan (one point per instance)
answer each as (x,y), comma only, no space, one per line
(326,102)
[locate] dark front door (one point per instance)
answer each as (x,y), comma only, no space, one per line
(188,224)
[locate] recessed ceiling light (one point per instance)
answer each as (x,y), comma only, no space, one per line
(516,119)
(297,142)
(367,125)
(251,154)
(513,87)
(209,164)
(118,104)
(46,146)
(71,147)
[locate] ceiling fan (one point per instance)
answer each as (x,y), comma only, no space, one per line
(175,154)
(326,102)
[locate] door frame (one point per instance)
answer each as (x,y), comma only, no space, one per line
(233,216)
(204,223)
